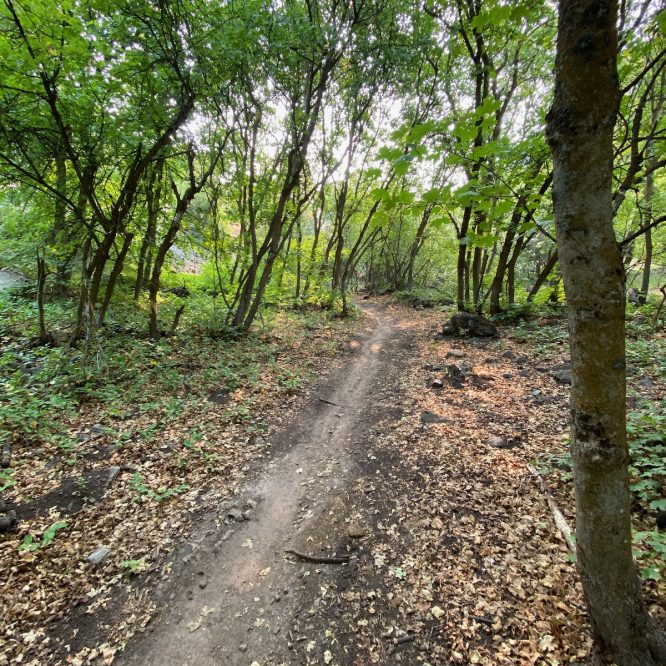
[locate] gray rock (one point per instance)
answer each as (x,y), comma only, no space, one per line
(497,442)
(508,354)
(562,376)
(236,514)
(645,383)
(429,417)
(455,353)
(437,384)
(99,555)
(113,473)
(469,325)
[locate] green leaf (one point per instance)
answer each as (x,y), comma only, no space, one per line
(51,532)
(650,573)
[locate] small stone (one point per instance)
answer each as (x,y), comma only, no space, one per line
(437,384)
(645,383)
(113,473)
(497,442)
(455,353)
(236,514)
(357,531)
(508,354)
(430,417)
(243,647)
(203,583)
(562,376)
(99,555)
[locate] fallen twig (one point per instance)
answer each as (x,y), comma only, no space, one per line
(560,520)
(319,559)
(328,402)
(483,620)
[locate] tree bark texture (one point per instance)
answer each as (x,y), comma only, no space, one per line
(580,132)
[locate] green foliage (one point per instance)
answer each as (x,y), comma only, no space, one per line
(29,544)
(161,494)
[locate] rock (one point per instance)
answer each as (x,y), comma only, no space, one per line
(203,583)
(524,373)
(437,384)
(236,515)
(485,378)
(497,442)
(508,354)
(429,417)
(99,555)
(7,522)
(243,647)
(455,353)
(357,531)
(469,325)
(562,376)
(430,367)
(635,297)
(113,473)
(455,375)
(423,303)
(645,383)
(219,397)
(507,375)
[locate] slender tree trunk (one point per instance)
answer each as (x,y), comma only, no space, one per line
(41,284)
(113,278)
(511,271)
(543,275)
(580,132)
(647,263)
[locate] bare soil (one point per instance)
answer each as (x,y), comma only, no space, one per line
(239,596)
(421,486)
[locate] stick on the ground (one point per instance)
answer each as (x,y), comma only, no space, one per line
(328,402)
(560,520)
(319,559)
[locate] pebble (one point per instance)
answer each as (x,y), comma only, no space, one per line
(99,555)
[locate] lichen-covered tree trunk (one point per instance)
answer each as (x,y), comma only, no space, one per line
(580,132)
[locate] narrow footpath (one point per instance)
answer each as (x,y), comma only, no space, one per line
(237,596)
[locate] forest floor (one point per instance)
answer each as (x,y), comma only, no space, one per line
(421,487)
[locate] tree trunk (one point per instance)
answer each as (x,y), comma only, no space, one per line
(580,132)
(647,263)
(113,278)
(41,284)
(543,275)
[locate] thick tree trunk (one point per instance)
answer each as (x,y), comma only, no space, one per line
(580,132)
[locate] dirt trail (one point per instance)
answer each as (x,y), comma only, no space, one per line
(232,598)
